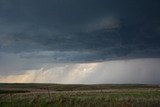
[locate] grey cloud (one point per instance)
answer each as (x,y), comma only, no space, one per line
(77,31)
(15,63)
(104,23)
(39,33)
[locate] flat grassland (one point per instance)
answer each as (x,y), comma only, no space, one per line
(76,95)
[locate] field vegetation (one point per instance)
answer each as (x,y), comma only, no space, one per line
(98,95)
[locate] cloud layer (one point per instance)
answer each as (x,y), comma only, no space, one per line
(103,27)
(36,33)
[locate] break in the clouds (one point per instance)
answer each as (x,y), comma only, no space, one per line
(39,32)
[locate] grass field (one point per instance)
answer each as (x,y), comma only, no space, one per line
(58,95)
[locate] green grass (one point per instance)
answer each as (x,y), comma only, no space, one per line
(72,96)
(12,91)
(86,99)
(70,87)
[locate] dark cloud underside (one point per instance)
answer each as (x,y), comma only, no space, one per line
(99,29)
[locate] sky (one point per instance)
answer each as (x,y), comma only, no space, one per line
(80,41)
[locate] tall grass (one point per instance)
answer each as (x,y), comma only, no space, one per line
(48,95)
(85,99)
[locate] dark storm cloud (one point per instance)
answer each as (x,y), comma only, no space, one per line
(105,29)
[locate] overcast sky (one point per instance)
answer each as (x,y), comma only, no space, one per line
(74,41)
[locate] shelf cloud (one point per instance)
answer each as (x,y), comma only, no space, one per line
(37,33)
